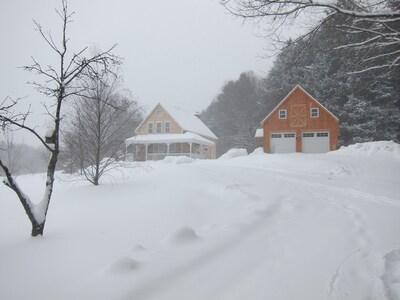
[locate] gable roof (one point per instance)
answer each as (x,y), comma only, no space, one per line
(188,122)
(298,87)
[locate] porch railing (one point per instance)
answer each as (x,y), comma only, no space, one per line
(159,156)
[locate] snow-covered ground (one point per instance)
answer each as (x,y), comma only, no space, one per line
(258,226)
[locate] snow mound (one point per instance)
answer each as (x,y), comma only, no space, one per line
(138,248)
(178,160)
(371,148)
(123,265)
(258,151)
(183,235)
(232,153)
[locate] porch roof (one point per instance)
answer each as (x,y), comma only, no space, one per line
(187,137)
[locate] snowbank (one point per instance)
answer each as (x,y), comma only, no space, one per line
(258,151)
(371,148)
(232,153)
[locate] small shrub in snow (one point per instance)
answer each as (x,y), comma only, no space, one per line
(183,235)
(123,265)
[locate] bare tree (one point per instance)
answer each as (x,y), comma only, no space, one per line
(102,118)
(373,24)
(59,83)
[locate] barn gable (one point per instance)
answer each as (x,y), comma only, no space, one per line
(299,123)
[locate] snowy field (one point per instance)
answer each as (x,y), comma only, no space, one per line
(258,226)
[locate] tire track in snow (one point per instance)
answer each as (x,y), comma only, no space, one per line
(286,176)
(188,267)
(338,275)
(357,262)
(391,274)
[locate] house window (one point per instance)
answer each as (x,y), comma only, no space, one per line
(167,128)
(282,114)
(314,112)
(288,135)
(308,134)
(150,128)
(159,127)
(276,136)
(159,113)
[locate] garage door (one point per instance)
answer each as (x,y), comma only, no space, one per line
(283,142)
(315,142)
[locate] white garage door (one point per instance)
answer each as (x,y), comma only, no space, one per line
(283,142)
(315,142)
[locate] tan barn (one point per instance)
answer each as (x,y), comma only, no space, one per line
(299,123)
(168,131)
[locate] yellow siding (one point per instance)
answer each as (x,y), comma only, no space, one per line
(159,115)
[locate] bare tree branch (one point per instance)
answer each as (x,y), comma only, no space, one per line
(376,21)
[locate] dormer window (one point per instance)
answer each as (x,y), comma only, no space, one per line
(159,127)
(150,128)
(167,128)
(282,114)
(314,112)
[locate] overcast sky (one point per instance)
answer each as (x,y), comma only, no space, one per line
(178,52)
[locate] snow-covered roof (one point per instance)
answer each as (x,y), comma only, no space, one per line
(259,132)
(187,121)
(169,138)
(298,87)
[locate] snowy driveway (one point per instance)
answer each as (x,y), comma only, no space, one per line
(252,227)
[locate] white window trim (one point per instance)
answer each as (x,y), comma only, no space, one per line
(311,115)
(308,134)
(157,127)
(325,134)
(276,135)
(165,126)
(279,114)
(148,127)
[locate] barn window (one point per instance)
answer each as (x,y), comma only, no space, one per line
(322,134)
(314,112)
(308,134)
(276,136)
(159,127)
(150,128)
(282,113)
(167,128)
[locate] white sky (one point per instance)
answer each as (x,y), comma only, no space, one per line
(178,52)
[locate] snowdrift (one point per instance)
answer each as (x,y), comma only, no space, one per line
(371,148)
(232,153)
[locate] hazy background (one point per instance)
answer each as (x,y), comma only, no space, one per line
(176,52)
